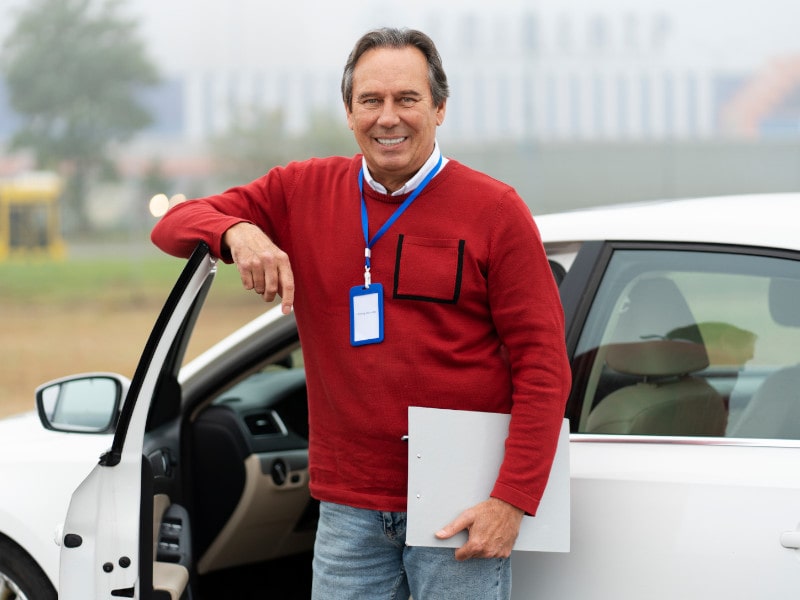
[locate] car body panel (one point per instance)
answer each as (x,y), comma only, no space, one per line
(680,520)
(32,519)
(746,220)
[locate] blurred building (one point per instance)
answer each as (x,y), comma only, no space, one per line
(518,76)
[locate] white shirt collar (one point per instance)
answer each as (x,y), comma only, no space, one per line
(412,183)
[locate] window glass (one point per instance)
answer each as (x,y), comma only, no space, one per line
(687,343)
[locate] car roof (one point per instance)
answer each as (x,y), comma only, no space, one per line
(768,220)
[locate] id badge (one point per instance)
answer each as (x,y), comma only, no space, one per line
(366,314)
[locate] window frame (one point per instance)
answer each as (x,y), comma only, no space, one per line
(579,290)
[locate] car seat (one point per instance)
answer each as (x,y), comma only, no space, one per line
(667,400)
(649,387)
(774,409)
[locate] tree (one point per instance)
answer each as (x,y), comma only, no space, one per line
(73,69)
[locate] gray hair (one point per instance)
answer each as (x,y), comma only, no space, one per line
(389,37)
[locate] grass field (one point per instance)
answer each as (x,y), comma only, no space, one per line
(94,314)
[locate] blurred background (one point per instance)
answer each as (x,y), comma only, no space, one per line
(110,110)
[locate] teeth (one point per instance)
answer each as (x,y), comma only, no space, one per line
(390,141)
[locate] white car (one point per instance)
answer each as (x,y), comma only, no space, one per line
(683,328)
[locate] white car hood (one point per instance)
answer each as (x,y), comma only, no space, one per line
(46,466)
(22,437)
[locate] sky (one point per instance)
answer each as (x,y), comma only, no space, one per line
(725,32)
(183,34)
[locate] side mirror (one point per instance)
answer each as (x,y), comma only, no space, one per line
(87,403)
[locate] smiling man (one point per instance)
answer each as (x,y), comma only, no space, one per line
(415,281)
(393,113)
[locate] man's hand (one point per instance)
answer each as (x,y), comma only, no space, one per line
(492,528)
(262,266)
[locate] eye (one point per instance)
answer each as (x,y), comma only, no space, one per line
(408,101)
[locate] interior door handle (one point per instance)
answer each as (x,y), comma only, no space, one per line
(790,539)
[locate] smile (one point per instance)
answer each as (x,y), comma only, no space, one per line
(390,141)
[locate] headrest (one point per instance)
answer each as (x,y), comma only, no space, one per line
(657,358)
(656,306)
(784,301)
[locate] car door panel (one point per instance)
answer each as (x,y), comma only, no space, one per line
(172,547)
(109,527)
(656,522)
(688,515)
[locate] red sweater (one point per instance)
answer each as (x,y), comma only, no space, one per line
(473,319)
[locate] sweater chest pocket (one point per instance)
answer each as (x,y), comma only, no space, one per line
(428,269)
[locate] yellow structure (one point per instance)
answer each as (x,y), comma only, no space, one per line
(29,216)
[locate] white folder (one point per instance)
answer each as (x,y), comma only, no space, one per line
(454,457)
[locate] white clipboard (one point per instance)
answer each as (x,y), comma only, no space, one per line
(453,460)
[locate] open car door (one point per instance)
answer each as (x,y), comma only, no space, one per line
(108,548)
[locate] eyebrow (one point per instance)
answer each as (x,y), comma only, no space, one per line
(367,95)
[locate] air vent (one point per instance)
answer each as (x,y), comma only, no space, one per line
(262,423)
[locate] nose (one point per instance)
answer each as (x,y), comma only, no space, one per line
(389,116)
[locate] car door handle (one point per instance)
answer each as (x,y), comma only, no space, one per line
(790,539)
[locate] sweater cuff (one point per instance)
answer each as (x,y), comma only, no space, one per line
(516,498)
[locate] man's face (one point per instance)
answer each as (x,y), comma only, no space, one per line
(392,114)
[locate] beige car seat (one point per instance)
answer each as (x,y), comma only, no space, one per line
(660,396)
(667,400)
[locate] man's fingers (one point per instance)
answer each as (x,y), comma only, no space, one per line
(251,275)
(492,528)
(286,278)
(263,267)
(460,523)
(252,278)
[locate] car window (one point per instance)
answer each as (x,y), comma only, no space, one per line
(682,343)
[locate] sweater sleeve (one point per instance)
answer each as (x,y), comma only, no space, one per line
(262,202)
(527,312)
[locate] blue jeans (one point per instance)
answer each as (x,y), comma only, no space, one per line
(361,555)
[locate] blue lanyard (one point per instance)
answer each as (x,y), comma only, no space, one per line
(390,221)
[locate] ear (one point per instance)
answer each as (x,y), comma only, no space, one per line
(440,112)
(349,114)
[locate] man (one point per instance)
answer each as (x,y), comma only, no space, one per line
(415,282)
